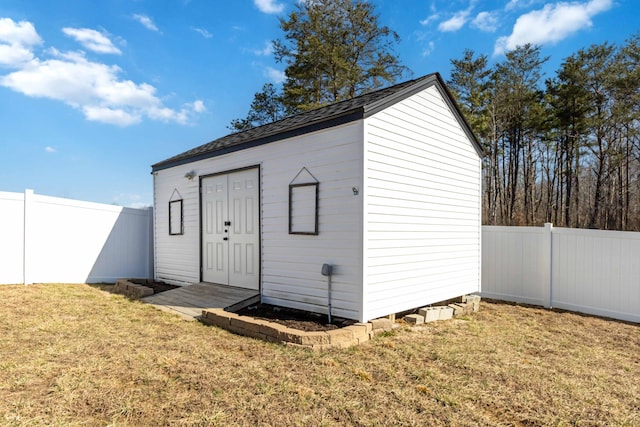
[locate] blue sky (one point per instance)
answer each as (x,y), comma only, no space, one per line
(94,92)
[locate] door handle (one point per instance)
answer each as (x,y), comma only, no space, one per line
(225,238)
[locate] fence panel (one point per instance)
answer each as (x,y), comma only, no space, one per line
(597,272)
(516,264)
(589,271)
(12,237)
(70,241)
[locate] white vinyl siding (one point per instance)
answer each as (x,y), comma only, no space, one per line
(177,258)
(290,263)
(422,207)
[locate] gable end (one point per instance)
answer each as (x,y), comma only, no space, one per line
(428,81)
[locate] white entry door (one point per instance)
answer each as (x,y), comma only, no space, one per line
(230,229)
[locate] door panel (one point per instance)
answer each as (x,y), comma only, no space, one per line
(243,233)
(214,249)
(235,217)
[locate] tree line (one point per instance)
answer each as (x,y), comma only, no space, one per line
(564,150)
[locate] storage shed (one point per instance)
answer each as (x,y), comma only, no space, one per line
(385,188)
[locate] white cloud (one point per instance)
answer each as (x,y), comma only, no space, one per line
(94,88)
(109,115)
(16,41)
(92,40)
(22,33)
(552,23)
(14,54)
(456,22)
(266,50)
(429,19)
(485,21)
(521,4)
(596,6)
(146,22)
(204,33)
(169,115)
(511,5)
(49,149)
(269,6)
(198,106)
(429,49)
(276,76)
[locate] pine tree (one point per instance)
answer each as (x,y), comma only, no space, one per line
(333,50)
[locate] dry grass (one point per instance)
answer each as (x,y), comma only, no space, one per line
(75,355)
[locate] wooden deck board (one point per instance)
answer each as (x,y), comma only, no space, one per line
(189,301)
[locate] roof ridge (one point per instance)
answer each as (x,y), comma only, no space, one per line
(318,118)
(337,103)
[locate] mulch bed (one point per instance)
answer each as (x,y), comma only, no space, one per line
(295,319)
(289,317)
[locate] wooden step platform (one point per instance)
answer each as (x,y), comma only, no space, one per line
(189,301)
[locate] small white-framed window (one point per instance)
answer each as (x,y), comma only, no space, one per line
(303,203)
(303,208)
(176,220)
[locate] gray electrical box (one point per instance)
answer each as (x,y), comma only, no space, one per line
(327,269)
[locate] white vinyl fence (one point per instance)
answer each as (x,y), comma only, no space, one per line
(588,271)
(55,240)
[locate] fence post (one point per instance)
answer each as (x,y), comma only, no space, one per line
(548,228)
(27,237)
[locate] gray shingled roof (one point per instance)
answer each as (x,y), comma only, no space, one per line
(320,118)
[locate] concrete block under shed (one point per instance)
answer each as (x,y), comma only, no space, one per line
(414,319)
(458,309)
(431,314)
(446,313)
(474,300)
